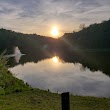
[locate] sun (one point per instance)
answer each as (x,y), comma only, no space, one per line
(55,59)
(55,32)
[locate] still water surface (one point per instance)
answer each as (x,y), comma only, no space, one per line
(59,76)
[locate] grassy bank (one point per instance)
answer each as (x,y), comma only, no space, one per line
(43,100)
(8,83)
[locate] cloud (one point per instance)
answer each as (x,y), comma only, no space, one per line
(32,16)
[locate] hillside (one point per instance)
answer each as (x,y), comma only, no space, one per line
(96,36)
(26,42)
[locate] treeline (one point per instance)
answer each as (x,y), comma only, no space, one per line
(30,44)
(96,36)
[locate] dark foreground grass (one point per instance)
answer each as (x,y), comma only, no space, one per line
(43,100)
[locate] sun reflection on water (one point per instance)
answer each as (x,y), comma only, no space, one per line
(55,59)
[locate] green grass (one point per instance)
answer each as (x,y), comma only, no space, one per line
(8,83)
(43,100)
(15,95)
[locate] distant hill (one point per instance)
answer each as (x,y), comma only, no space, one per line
(9,39)
(96,36)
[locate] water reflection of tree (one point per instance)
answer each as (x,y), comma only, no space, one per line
(93,60)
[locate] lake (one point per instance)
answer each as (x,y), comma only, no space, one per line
(59,75)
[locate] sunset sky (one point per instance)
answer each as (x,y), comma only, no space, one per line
(40,16)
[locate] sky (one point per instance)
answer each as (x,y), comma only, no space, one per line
(40,16)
